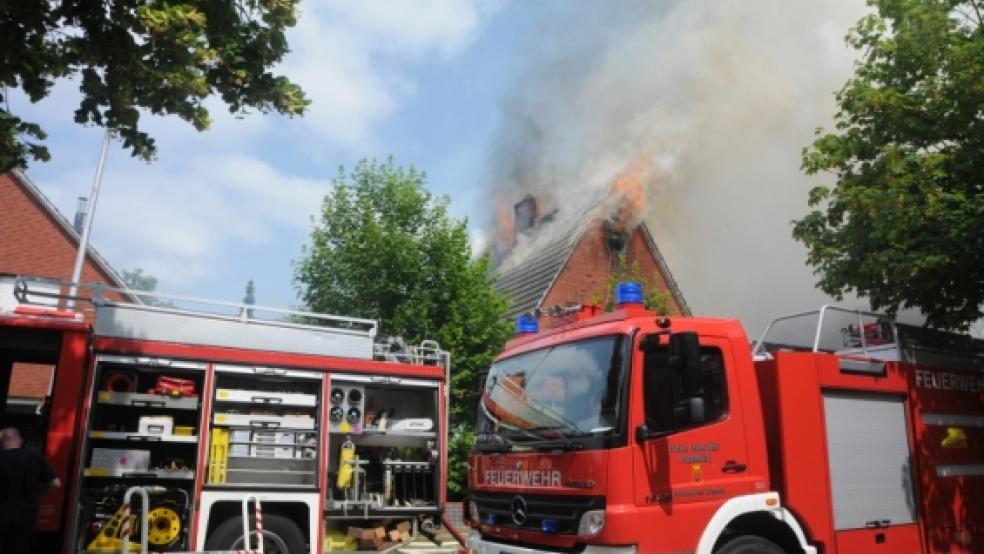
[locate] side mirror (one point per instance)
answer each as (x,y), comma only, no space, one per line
(641,433)
(690,410)
(685,357)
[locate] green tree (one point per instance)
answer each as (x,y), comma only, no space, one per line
(136,280)
(139,281)
(903,223)
(459,446)
(384,248)
(164,57)
(250,298)
(655,298)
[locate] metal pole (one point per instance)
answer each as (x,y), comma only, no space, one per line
(125,530)
(84,240)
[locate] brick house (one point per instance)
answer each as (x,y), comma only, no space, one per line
(36,240)
(561,261)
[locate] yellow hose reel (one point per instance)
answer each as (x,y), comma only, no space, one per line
(163,526)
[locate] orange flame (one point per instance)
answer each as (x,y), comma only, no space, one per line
(629,194)
(506,236)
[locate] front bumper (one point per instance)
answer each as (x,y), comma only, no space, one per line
(477,545)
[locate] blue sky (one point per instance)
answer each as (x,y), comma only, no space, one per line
(418,81)
(494,99)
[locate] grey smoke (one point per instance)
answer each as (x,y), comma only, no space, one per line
(720,97)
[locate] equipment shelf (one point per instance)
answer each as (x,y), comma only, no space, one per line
(265,397)
(412,434)
(390,438)
(141,437)
(185,474)
(256,421)
(143,400)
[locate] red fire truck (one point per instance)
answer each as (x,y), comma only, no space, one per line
(631,432)
(341,436)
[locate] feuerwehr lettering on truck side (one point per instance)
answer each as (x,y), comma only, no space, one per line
(523,477)
(951,381)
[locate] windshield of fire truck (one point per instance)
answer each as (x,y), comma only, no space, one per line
(558,393)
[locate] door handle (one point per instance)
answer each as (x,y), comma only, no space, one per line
(732,466)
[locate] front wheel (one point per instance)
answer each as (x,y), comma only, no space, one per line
(280,536)
(750,545)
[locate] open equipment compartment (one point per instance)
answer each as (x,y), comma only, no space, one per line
(383,447)
(264,428)
(142,429)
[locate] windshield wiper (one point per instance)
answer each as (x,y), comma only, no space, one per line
(563,441)
(493,442)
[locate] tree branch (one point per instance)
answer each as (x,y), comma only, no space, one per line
(980,17)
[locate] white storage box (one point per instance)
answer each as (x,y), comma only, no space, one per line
(266,397)
(276,437)
(240,435)
(268,422)
(156,425)
(116,462)
(264,451)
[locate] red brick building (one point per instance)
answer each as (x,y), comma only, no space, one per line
(38,241)
(557,262)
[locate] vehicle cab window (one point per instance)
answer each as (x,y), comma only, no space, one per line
(669,406)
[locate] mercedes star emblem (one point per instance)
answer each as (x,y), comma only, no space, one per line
(519,512)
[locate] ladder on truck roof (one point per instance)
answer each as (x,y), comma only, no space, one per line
(130,314)
(851,332)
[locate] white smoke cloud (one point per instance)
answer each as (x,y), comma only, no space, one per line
(719,96)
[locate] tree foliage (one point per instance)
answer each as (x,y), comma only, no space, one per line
(163,57)
(250,298)
(137,280)
(384,248)
(904,223)
(459,446)
(655,298)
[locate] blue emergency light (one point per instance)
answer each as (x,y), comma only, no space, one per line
(628,292)
(527,324)
(548,525)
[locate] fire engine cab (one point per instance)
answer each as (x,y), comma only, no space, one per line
(339,435)
(630,432)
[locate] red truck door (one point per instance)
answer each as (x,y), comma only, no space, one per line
(693,456)
(53,352)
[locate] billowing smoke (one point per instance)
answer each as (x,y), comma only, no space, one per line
(707,105)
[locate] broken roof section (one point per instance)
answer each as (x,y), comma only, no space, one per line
(544,245)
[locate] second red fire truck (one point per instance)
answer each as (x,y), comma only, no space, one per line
(341,437)
(636,433)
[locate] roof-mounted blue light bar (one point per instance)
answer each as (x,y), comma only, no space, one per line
(628,292)
(527,324)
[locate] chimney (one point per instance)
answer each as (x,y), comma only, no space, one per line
(80,212)
(525,212)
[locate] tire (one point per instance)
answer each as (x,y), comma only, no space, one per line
(280,536)
(750,544)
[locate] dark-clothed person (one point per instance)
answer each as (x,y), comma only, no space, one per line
(24,477)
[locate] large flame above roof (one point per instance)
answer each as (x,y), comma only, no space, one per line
(627,196)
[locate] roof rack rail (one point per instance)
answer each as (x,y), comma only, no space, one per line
(876,336)
(855,337)
(126,313)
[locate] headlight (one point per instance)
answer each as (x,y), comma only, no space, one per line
(592,522)
(472,514)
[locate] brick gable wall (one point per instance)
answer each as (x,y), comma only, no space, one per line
(585,275)
(33,243)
